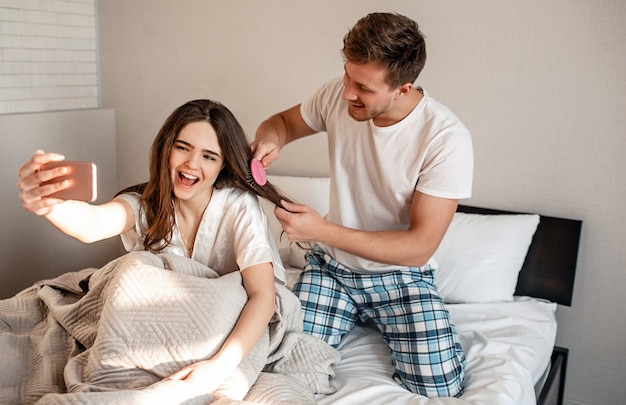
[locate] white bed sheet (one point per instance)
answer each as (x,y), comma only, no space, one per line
(507,345)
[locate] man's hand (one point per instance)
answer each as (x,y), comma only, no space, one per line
(300,222)
(277,131)
(266,151)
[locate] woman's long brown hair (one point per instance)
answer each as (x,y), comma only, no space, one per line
(156,196)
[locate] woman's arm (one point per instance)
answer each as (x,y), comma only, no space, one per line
(83,221)
(258,280)
(90,223)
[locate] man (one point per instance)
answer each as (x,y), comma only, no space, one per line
(399,162)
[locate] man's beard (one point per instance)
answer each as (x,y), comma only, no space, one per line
(365,113)
(361,114)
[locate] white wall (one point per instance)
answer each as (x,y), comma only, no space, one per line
(31,249)
(48,56)
(48,63)
(540,84)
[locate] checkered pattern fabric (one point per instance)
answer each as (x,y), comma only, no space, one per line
(405,306)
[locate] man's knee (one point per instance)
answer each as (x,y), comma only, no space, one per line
(434,384)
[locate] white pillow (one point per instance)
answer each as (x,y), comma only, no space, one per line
(480,256)
(312,191)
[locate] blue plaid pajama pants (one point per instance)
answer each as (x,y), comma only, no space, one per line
(405,307)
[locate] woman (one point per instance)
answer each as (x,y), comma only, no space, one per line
(196,203)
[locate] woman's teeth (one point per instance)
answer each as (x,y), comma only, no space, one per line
(187,179)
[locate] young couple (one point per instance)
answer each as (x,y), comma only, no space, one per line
(399,162)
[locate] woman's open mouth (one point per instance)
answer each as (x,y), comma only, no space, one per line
(187,179)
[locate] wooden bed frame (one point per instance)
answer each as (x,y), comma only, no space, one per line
(548,272)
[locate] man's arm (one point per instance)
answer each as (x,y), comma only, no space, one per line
(277,131)
(430,218)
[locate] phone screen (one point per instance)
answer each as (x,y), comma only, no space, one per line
(82,177)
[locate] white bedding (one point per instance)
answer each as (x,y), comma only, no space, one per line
(508,346)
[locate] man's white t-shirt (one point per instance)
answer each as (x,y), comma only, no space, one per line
(375,171)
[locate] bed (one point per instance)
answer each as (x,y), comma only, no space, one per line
(502,275)
(110,335)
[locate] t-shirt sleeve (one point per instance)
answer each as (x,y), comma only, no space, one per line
(132,239)
(448,170)
(254,241)
(315,109)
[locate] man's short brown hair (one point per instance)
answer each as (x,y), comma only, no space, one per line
(391,40)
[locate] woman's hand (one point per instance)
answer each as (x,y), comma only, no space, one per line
(206,375)
(31,177)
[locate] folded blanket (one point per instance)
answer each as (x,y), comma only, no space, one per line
(110,336)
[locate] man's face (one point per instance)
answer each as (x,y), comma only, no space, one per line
(365,90)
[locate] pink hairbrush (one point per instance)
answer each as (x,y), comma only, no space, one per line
(258,172)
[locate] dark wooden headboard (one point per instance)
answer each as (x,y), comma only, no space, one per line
(550,266)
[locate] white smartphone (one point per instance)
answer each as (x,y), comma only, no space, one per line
(82,177)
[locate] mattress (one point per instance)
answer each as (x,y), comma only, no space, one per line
(507,345)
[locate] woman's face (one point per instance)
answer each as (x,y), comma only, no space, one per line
(195,162)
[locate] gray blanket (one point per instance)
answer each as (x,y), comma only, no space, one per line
(110,336)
